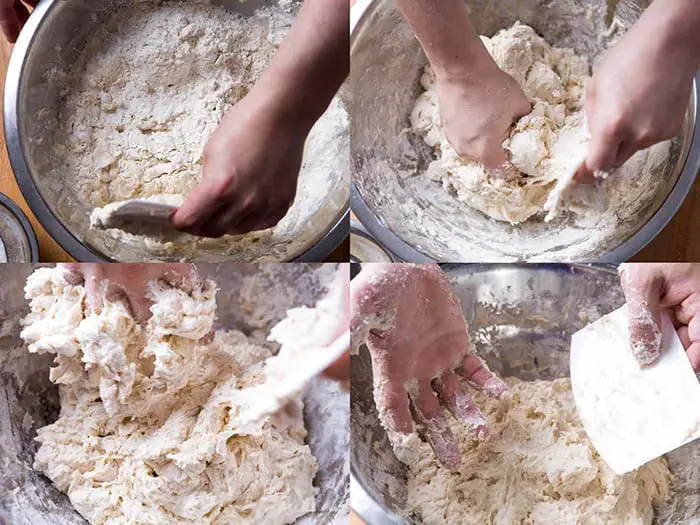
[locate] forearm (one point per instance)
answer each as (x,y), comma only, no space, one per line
(313,60)
(446,34)
(677,23)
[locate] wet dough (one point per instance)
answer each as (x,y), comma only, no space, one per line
(544,145)
(537,467)
(148,430)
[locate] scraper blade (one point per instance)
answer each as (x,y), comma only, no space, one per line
(633,415)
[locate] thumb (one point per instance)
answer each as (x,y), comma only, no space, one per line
(642,287)
(200,206)
(495,159)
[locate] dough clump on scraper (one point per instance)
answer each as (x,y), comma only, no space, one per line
(545,146)
(148,429)
(536,467)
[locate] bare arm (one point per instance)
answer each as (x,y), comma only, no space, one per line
(640,93)
(13,16)
(312,61)
(478,101)
(252,161)
(446,34)
(682,20)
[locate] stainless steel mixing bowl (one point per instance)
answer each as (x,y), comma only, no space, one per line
(416,220)
(520,318)
(48,47)
(28,400)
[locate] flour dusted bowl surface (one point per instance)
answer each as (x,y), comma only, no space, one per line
(520,319)
(414,217)
(39,77)
(252,298)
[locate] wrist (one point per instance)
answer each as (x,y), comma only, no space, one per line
(677,24)
(465,70)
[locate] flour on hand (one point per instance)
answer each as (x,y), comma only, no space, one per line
(148,430)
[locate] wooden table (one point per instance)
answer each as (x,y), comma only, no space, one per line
(49,249)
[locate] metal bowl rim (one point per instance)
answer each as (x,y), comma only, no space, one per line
(82,252)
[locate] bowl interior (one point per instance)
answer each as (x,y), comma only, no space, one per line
(520,320)
(252,299)
(50,65)
(388,159)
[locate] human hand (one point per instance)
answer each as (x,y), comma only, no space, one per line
(251,166)
(639,95)
(13,15)
(649,288)
(478,110)
(413,325)
(128,282)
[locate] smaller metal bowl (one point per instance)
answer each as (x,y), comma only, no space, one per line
(16,233)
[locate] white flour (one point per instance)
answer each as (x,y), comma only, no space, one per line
(154,86)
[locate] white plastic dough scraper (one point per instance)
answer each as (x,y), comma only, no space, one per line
(118,214)
(288,374)
(632,414)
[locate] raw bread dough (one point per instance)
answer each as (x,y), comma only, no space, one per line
(536,467)
(545,145)
(148,430)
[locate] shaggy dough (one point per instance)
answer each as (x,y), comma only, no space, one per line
(148,430)
(536,467)
(544,146)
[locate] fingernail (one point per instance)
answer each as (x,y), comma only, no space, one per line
(646,352)
(495,387)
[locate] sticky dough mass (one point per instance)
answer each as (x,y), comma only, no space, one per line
(537,467)
(148,430)
(544,145)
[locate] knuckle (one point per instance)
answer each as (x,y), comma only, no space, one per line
(250,203)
